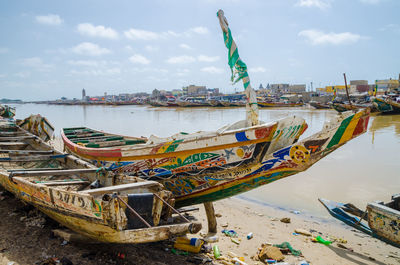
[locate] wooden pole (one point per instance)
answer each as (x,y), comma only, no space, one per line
(347,91)
(212,221)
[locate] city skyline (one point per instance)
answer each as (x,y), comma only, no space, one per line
(54,49)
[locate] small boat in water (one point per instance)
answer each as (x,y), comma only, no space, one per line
(87,199)
(7,111)
(279,104)
(319,105)
(37,125)
(382,219)
(387,105)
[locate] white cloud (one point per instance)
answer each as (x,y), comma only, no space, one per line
(24,74)
(97,31)
(137,58)
(3,50)
(151,48)
(36,63)
(212,70)
(181,59)
(257,70)
(138,34)
(185,46)
(198,30)
(316,37)
(391,27)
(148,69)
(321,4)
(89,63)
(209,59)
(88,48)
(50,19)
(97,72)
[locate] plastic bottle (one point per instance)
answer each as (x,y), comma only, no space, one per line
(250,235)
(217,254)
(323,241)
(238,261)
(211,239)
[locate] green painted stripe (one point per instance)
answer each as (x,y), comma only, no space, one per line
(340,131)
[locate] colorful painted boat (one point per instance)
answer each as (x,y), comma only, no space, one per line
(7,111)
(278,104)
(229,168)
(84,198)
(379,220)
(387,105)
(341,107)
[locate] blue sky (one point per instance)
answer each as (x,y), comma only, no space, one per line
(51,49)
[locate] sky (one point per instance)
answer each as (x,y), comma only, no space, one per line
(50,49)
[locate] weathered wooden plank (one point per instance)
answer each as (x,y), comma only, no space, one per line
(31,158)
(24,152)
(17,144)
(58,172)
(123,187)
(16,138)
(62,183)
(32,169)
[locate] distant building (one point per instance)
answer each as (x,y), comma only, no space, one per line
(296,88)
(193,90)
(83,95)
(387,85)
(279,88)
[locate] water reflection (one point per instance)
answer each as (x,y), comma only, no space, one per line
(385,122)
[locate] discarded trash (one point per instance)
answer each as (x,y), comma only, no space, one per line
(250,235)
(238,261)
(230,233)
(217,254)
(302,232)
(319,239)
(270,253)
(291,249)
(285,220)
(121,255)
(341,246)
(64,243)
(235,241)
(303,262)
(270,261)
(178,252)
(218,215)
(296,212)
(295,234)
(211,239)
(189,244)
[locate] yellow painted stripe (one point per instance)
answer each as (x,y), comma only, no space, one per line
(350,129)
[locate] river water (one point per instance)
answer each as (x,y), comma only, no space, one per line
(363,170)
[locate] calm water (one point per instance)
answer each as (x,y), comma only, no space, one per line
(363,170)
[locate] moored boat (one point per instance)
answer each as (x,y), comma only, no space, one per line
(84,198)
(387,105)
(279,104)
(380,220)
(7,111)
(319,105)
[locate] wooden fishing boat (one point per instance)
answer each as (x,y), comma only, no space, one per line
(279,104)
(379,220)
(84,198)
(7,111)
(220,171)
(37,125)
(319,105)
(387,105)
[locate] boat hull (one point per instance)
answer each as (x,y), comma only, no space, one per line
(387,106)
(384,222)
(278,104)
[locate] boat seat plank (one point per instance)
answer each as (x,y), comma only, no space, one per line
(33,169)
(57,172)
(17,144)
(24,152)
(16,138)
(123,187)
(65,183)
(31,158)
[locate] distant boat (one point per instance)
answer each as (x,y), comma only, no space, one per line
(383,220)
(319,105)
(7,111)
(387,105)
(279,104)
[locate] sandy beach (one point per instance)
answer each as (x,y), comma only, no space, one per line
(27,239)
